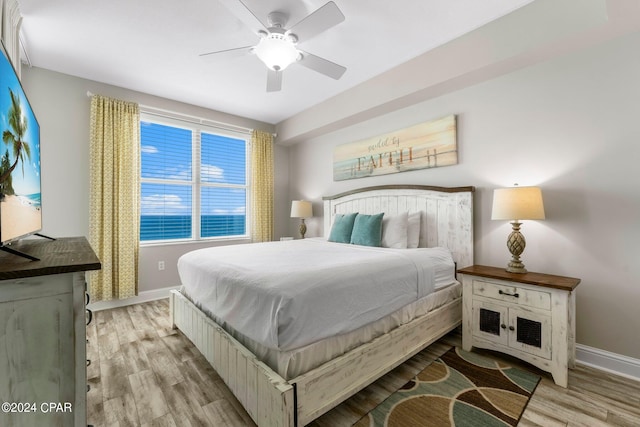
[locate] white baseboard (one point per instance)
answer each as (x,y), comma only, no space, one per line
(144,296)
(609,362)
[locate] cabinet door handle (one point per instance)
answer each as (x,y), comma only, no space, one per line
(511,328)
(501,292)
(88,298)
(503,326)
(90,316)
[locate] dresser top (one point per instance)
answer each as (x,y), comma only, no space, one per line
(64,255)
(539,279)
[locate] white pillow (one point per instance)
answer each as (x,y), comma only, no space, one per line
(394,231)
(413,230)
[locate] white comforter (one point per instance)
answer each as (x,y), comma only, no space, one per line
(285,295)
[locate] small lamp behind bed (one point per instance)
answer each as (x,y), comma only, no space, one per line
(301,209)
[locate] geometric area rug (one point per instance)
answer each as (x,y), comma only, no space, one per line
(460,389)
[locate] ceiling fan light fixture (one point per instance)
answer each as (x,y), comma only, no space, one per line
(277,51)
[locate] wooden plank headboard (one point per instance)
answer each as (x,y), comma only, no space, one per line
(447,213)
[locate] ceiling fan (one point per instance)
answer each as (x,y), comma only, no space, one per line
(277,47)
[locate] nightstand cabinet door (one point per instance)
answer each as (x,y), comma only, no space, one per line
(490,322)
(530,332)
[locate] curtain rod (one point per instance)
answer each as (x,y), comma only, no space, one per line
(171,115)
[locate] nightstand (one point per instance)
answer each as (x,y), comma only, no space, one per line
(530,316)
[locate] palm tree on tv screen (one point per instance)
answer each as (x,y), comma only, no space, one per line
(6,186)
(18,124)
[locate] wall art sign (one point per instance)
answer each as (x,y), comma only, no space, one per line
(426,145)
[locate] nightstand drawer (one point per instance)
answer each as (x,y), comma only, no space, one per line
(513,294)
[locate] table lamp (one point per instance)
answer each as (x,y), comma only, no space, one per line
(515,204)
(301,209)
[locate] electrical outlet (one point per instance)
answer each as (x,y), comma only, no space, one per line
(160,265)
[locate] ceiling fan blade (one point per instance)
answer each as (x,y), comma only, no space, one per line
(227,53)
(321,65)
(274,80)
(244,14)
(315,23)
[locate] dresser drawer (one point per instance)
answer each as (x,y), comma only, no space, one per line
(519,295)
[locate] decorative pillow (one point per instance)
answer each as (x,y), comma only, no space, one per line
(413,230)
(367,230)
(342,227)
(394,231)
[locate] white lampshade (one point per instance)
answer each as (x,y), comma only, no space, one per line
(301,209)
(277,51)
(517,203)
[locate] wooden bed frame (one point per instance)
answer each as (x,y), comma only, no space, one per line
(270,400)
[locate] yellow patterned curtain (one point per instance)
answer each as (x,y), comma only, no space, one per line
(115,197)
(261,186)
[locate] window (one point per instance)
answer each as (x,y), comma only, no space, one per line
(193,182)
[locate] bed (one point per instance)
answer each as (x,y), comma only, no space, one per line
(257,364)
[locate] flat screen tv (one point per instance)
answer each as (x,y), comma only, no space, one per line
(20,210)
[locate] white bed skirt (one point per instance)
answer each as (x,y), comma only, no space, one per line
(293,363)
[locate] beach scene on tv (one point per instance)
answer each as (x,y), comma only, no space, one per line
(20,211)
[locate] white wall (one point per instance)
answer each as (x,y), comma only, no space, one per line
(62,107)
(569,125)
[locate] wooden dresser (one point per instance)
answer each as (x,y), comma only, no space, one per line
(43,333)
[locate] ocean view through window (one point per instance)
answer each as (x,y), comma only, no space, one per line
(193,182)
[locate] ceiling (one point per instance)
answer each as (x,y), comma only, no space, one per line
(153,46)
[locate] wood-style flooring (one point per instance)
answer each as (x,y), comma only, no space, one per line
(143,373)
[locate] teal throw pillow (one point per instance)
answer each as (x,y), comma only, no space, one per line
(342,227)
(367,230)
